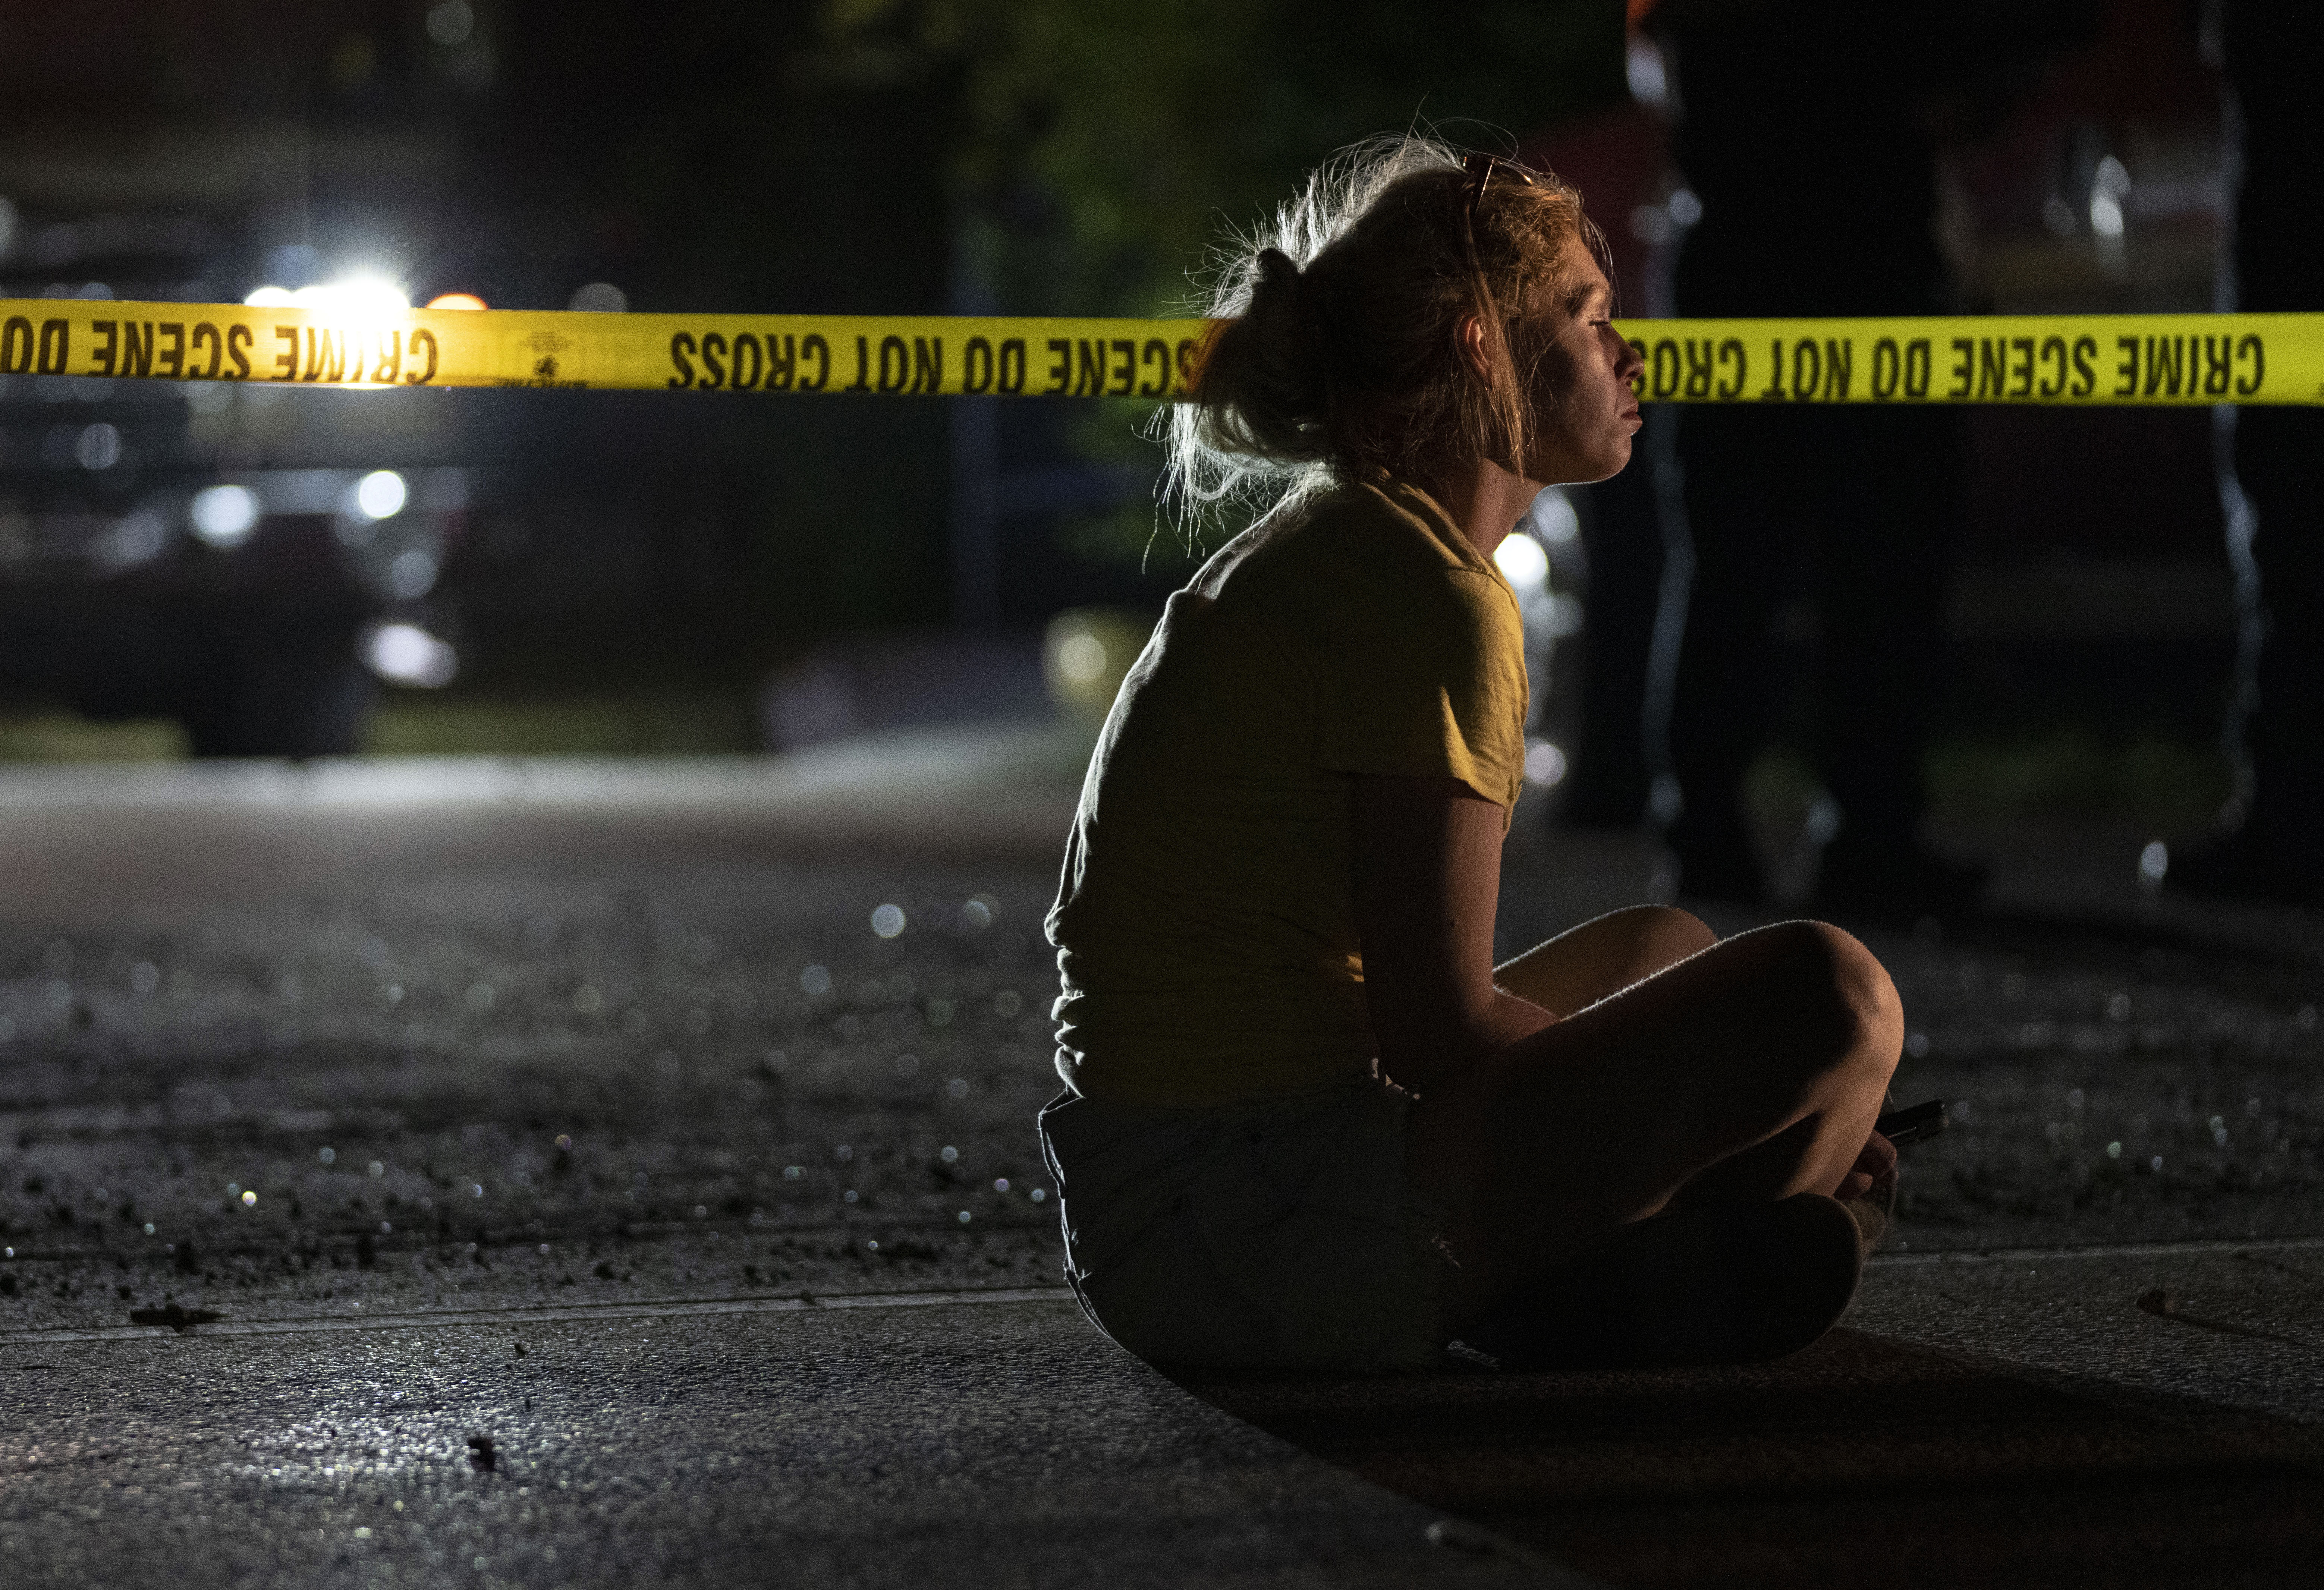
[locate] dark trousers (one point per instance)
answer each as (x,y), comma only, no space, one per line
(1621,535)
(1862,503)
(2275,50)
(2279,464)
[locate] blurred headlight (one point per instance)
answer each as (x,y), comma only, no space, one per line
(360,296)
(406,654)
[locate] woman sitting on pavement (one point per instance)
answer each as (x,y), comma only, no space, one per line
(1309,1123)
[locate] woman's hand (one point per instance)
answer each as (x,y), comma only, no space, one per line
(1874,1163)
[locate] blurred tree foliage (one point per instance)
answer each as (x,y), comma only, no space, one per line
(1098,150)
(1101,145)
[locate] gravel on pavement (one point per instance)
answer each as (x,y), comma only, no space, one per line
(390,1071)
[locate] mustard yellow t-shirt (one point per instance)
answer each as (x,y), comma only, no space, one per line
(1205,926)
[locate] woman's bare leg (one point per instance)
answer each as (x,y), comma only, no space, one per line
(1603,956)
(1766,1055)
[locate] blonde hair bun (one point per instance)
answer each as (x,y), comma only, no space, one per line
(1337,356)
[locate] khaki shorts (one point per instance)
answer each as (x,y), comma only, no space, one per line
(1276,1235)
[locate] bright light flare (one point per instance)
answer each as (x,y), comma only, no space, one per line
(457,300)
(357,298)
(224,516)
(406,654)
(1522,561)
(380,495)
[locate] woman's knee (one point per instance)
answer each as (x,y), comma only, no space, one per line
(1838,998)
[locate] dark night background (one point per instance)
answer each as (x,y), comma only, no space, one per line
(853,158)
(631,570)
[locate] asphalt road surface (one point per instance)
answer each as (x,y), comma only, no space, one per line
(668,1127)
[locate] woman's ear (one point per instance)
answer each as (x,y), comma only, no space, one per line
(1468,336)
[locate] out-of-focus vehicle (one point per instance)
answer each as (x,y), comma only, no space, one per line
(244,604)
(246,560)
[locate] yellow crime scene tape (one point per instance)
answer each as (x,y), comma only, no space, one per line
(2055,359)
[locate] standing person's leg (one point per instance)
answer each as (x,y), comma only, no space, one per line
(2270,52)
(1885,507)
(1621,536)
(1750,1070)
(1736,499)
(2279,462)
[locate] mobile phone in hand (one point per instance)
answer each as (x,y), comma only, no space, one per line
(1912,1125)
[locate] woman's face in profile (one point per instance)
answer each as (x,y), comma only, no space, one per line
(1586,413)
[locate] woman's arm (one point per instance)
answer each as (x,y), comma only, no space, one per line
(1428,880)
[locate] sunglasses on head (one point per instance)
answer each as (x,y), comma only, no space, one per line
(1480,168)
